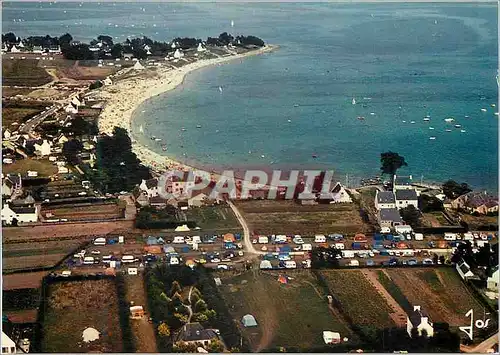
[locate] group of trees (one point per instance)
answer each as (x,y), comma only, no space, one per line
(486,256)
(452,189)
(169,307)
(117,167)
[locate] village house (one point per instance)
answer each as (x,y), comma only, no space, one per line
(21,213)
(389,217)
(8,345)
(406,197)
(464,270)
(479,202)
(492,282)
(402,183)
(339,195)
(43,149)
(150,187)
(420,322)
(385,199)
(11,184)
(158,202)
(194,333)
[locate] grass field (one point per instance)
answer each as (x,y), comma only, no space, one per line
(475,222)
(440,292)
(24,72)
(288,217)
(358,298)
(144,333)
(74,306)
(44,167)
(17,114)
(92,212)
(213,217)
(288,315)
(29,262)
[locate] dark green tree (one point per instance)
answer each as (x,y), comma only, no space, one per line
(452,189)
(65,39)
(391,162)
(411,215)
(71,149)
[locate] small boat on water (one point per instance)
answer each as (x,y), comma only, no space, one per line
(157,139)
(432,138)
(493,105)
(372,113)
(314,156)
(412,122)
(404,121)
(220,88)
(431,127)
(153,138)
(427,119)
(141,129)
(449,119)
(296,105)
(198,126)
(262,156)
(458,126)
(289,120)
(164,148)
(496,113)
(361,118)
(483,110)
(353,101)
(183,129)
(448,130)
(466,116)
(463,131)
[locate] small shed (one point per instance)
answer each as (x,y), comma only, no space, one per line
(136,312)
(331,337)
(249,321)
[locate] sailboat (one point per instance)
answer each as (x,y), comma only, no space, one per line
(141,129)
(220,88)
(232,23)
(353,101)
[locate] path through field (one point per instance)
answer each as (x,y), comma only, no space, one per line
(399,315)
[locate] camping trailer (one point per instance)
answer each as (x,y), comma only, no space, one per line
(127,259)
(347,254)
(100,241)
(320,238)
(419,236)
(306,247)
(354,263)
(88,260)
(450,236)
(263,240)
(290,264)
(178,240)
(340,246)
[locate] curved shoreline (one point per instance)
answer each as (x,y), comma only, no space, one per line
(125,96)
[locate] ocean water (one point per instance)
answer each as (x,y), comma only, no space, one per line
(399,61)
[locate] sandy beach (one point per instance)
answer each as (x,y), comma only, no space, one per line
(125,95)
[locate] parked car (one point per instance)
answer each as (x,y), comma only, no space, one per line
(95,252)
(370,262)
(298,240)
(393,262)
(223,267)
(215,260)
(412,262)
(427,262)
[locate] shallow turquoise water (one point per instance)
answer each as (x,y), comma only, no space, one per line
(400,61)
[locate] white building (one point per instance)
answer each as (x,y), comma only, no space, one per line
(8,345)
(7,134)
(138,66)
(389,217)
(492,282)
(406,197)
(14,49)
(402,183)
(385,199)
(200,48)
(339,194)
(44,148)
(464,270)
(107,81)
(150,187)
(178,54)
(419,321)
(71,109)
(21,214)
(11,184)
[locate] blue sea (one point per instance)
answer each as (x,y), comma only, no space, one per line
(399,61)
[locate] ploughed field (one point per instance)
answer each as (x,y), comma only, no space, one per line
(288,217)
(76,305)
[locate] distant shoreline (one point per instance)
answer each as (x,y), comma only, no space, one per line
(125,96)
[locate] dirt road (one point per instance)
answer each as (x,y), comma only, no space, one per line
(246,231)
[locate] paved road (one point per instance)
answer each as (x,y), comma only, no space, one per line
(246,231)
(36,120)
(483,347)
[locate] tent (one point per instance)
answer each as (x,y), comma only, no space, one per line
(152,240)
(138,66)
(183,228)
(229,238)
(282,279)
(90,334)
(249,321)
(266,264)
